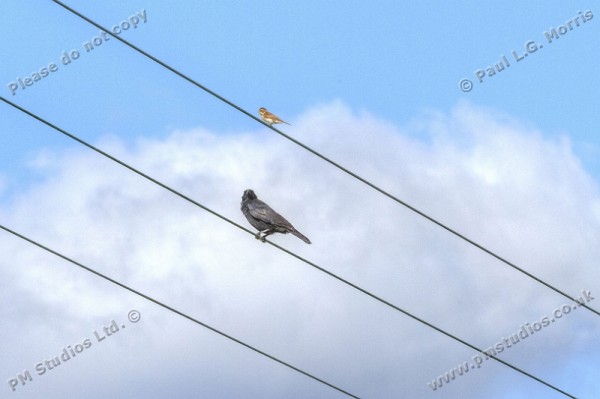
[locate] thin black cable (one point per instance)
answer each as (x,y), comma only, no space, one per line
(341,279)
(157,302)
(323,157)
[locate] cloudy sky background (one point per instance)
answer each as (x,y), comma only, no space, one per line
(512,164)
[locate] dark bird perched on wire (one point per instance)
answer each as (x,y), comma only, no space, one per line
(265,219)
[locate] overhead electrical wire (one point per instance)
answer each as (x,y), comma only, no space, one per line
(171,309)
(331,274)
(333,163)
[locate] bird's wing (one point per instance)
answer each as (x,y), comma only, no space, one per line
(263,212)
(280,221)
(259,210)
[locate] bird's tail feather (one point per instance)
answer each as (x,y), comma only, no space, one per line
(300,236)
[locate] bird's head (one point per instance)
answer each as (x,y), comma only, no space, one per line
(249,195)
(262,111)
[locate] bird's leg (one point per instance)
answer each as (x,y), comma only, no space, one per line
(264,233)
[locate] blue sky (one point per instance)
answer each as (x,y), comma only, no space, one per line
(390,67)
(392,58)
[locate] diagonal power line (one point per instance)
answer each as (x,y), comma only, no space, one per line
(326,159)
(169,308)
(314,265)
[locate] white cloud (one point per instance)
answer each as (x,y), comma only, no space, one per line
(497,180)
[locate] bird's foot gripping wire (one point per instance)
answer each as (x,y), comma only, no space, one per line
(261,235)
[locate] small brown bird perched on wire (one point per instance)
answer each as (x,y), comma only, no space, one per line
(269,117)
(265,219)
